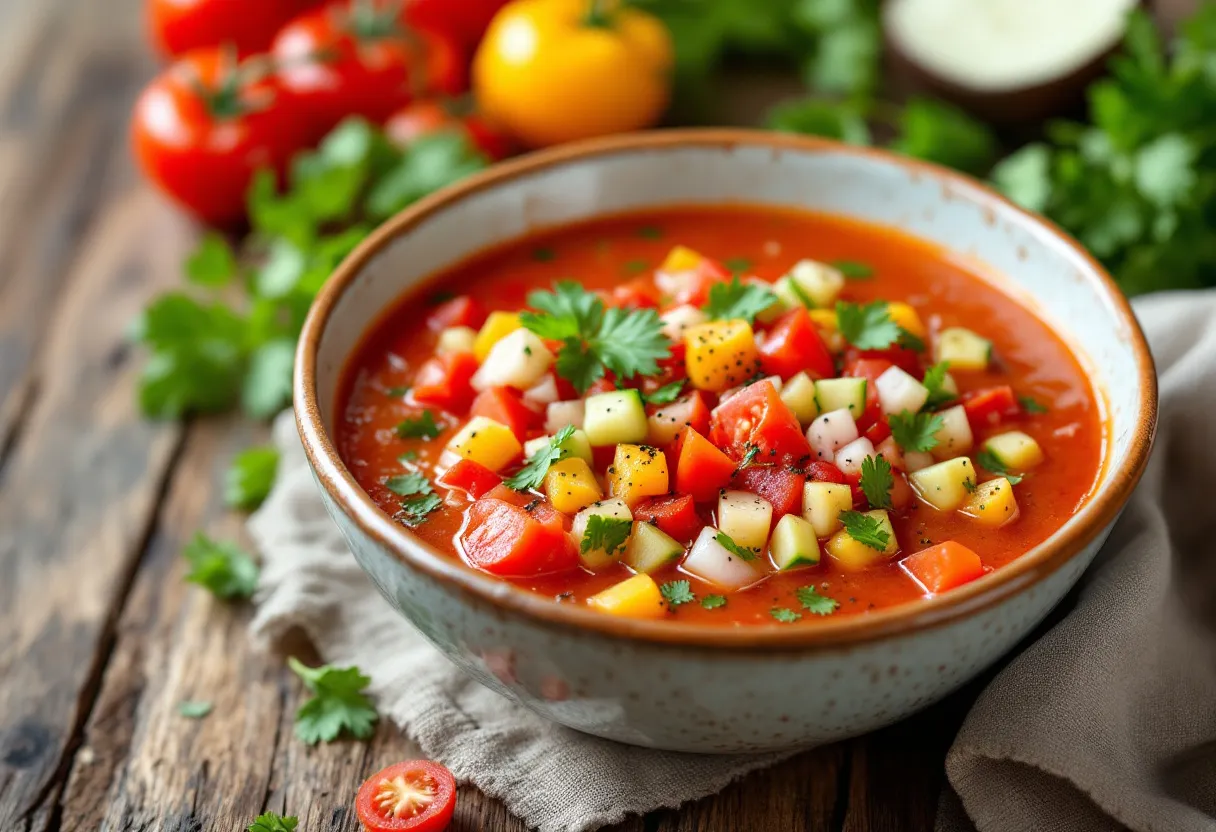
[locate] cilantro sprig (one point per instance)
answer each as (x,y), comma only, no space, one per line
(532,474)
(738,300)
(815,603)
(606,534)
(867,326)
(338,703)
(877,481)
(223,568)
(249,478)
(676,593)
(666,394)
(418,497)
(712,602)
(1031,406)
(629,342)
(853,269)
(422,426)
(934,381)
(915,431)
(865,529)
(271,822)
(784,614)
(734,548)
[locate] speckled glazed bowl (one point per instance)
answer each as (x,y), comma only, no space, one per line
(670,685)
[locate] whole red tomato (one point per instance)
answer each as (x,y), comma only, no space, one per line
(464,20)
(360,59)
(422,118)
(204,126)
(177,26)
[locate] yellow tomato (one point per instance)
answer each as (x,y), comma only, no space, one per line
(552,71)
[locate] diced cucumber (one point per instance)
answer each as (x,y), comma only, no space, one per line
(898,391)
(962,349)
(615,417)
(954,436)
(849,458)
(841,394)
(1015,450)
(455,339)
(945,485)
(560,414)
(799,396)
(598,557)
(822,503)
(577,445)
(745,518)
(830,432)
(810,283)
(518,360)
(993,503)
(710,561)
(794,543)
(854,555)
(777,308)
(650,549)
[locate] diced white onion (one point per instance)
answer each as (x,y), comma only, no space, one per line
(710,561)
(518,360)
(669,420)
(542,394)
(560,414)
(917,460)
(848,458)
(889,450)
(955,436)
(898,391)
(679,319)
(830,432)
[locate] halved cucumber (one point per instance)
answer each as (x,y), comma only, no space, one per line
(615,417)
(841,394)
(794,543)
(650,549)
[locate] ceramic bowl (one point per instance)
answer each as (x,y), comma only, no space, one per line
(669,685)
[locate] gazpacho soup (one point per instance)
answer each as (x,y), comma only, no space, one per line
(732,415)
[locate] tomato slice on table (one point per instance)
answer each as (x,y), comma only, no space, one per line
(415,796)
(794,345)
(755,417)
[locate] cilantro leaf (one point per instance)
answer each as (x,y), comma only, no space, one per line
(867,326)
(270,822)
(267,386)
(223,568)
(422,426)
(989,461)
(909,341)
(631,267)
(428,164)
(939,132)
(631,342)
(841,120)
(194,709)
(532,475)
(734,548)
(815,603)
(712,602)
(666,394)
(212,263)
(853,269)
(876,481)
(1029,405)
(737,264)
(784,614)
(915,431)
(738,300)
(676,593)
(543,254)
(934,381)
(250,476)
(415,509)
(650,232)
(606,534)
(865,529)
(569,311)
(406,485)
(338,703)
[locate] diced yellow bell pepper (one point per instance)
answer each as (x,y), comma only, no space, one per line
(681,259)
(992,503)
(637,472)
(487,442)
(829,328)
(497,326)
(636,597)
(571,485)
(852,555)
(720,354)
(906,318)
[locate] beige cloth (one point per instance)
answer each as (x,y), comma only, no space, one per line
(1108,721)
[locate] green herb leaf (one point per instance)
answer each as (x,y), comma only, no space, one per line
(853,269)
(666,394)
(815,603)
(867,326)
(935,378)
(544,254)
(270,822)
(650,232)
(406,485)
(430,163)
(631,267)
(741,552)
(222,568)
(877,481)
(194,709)
(989,461)
(338,704)
(865,529)
(606,534)
(212,264)
(841,120)
(1031,406)
(414,510)
(784,614)
(712,602)
(422,426)
(738,300)
(267,386)
(939,132)
(676,593)
(532,474)
(250,477)
(397,392)
(915,431)
(738,265)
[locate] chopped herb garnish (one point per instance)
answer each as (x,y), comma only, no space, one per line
(1030,405)
(532,475)
(338,703)
(632,267)
(397,392)
(271,822)
(815,603)
(876,481)
(970,485)
(194,709)
(749,457)
(867,326)
(935,377)
(737,265)
(249,478)
(712,602)
(414,510)
(734,548)
(865,529)
(606,534)
(544,254)
(666,394)
(419,427)
(991,462)
(650,232)
(223,568)
(628,342)
(735,300)
(442,296)
(915,431)
(853,269)
(909,341)
(406,485)
(676,593)
(784,614)
(408,456)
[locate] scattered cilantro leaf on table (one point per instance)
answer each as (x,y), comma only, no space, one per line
(193,709)
(212,263)
(532,474)
(815,603)
(877,481)
(606,534)
(734,548)
(676,593)
(915,431)
(865,529)
(270,822)
(738,300)
(223,568)
(250,476)
(338,703)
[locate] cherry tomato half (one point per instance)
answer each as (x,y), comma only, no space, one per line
(178,26)
(205,125)
(416,796)
(423,118)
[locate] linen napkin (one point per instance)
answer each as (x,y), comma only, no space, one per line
(1108,721)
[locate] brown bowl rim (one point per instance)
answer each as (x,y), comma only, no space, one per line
(900,620)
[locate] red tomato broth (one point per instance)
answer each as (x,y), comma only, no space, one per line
(606,253)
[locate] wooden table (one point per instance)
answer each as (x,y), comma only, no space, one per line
(100,639)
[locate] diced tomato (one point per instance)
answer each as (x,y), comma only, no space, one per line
(702,469)
(707,273)
(675,514)
(636,294)
(793,345)
(869,369)
(853,481)
(756,417)
(459,311)
(780,486)
(901,491)
(471,477)
(905,358)
(602,456)
(991,406)
(505,406)
(506,539)
(446,381)
(691,411)
(604,384)
(878,431)
(944,566)
(824,472)
(541,511)
(670,368)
